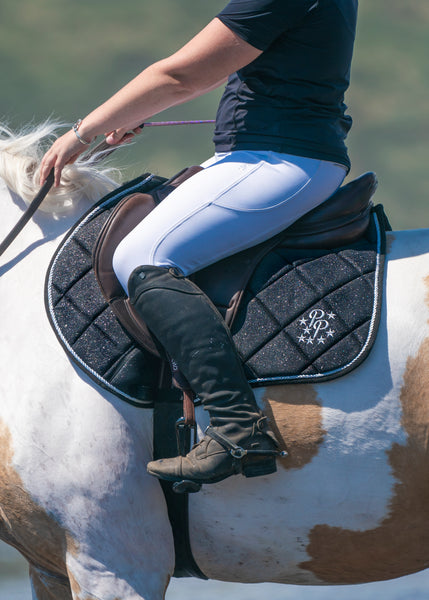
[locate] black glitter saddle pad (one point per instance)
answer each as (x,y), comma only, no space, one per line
(312,315)
(305,316)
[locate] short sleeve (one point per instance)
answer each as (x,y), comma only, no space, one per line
(260,22)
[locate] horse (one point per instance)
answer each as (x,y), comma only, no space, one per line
(349,503)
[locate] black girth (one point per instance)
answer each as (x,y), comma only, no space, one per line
(167,410)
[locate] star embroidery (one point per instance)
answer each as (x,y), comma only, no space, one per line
(330,332)
(331,315)
(309,341)
(302,338)
(303,321)
(307,331)
(321,340)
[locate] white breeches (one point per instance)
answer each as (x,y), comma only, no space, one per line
(240,199)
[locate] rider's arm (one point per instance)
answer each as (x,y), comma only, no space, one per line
(201,65)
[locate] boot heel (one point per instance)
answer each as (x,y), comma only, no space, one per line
(256,467)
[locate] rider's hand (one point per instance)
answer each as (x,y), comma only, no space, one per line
(64,150)
(121,136)
(67,149)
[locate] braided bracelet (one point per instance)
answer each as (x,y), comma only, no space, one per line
(75,129)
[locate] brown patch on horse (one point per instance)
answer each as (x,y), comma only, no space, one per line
(26,525)
(75,587)
(295,416)
(49,588)
(400,544)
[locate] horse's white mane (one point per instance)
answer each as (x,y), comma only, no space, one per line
(20,156)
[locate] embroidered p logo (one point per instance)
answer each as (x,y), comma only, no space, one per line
(316,327)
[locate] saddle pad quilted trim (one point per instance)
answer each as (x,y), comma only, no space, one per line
(361,333)
(51,297)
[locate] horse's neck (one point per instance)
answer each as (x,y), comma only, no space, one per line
(25,334)
(45,401)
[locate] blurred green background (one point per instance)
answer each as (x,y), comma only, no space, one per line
(60,58)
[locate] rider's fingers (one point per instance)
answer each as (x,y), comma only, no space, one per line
(56,162)
(45,168)
(65,150)
(121,136)
(58,171)
(114,137)
(60,163)
(127,138)
(52,162)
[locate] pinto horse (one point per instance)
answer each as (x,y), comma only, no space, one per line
(349,504)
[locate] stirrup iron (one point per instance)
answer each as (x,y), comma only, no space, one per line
(186,486)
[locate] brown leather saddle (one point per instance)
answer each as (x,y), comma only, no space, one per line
(340,220)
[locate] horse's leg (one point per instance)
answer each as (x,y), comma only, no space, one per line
(91,580)
(46,586)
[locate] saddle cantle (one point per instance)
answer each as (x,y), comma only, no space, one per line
(328,263)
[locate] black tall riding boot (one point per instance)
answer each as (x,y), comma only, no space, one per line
(194,334)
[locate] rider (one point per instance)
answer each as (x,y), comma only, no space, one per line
(280,152)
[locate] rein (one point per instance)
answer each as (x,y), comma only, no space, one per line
(31,209)
(104,148)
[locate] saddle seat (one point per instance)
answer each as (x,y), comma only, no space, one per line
(339,221)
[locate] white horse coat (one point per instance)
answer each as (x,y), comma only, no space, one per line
(348,505)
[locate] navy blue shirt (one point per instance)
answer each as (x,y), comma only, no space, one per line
(291,98)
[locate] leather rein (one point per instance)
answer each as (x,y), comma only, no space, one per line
(29,212)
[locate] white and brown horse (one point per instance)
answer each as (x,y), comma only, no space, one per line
(350,504)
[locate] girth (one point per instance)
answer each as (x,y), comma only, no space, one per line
(340,220)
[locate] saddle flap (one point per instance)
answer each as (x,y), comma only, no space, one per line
(128,213)
(224,282)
